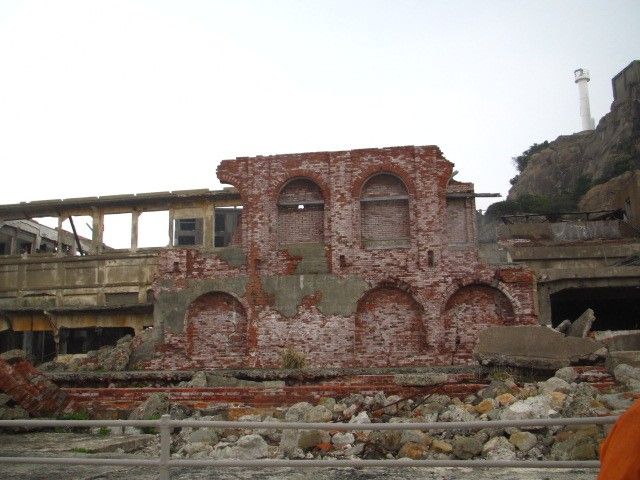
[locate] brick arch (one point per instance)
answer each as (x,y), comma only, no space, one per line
(304,175)
(216,331)
(389,328)
(483,279)
(469,310)
(385,168)
(301,212)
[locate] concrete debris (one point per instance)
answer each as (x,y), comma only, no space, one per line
(561,395)
(534,347)
(564,326)
(582,325)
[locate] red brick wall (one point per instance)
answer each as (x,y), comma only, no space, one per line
(216,331)
(389,328)
(300,225)
(457,231)
(427,270)
(30,389)
(469,310)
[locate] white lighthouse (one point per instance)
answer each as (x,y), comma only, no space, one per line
(582,78)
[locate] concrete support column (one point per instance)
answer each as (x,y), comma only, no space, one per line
(135,215)
(208,227)
(98,230)
(60,252)
(171,222)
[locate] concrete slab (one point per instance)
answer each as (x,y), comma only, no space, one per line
(534,347)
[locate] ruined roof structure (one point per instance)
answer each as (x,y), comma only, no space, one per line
(351,259)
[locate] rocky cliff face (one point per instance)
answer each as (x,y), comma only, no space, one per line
(572,165)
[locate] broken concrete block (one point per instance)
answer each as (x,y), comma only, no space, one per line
(533,347)
(564,326)
(582,325)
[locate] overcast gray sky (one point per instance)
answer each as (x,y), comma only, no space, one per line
(117,97)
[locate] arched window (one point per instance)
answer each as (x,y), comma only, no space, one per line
(300,213)
(384,207)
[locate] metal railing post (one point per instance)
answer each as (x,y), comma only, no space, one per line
(165,446)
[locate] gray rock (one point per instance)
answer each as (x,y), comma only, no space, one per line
(554,384)
(297,412)
(153,407)
(414,436)
(523,441)
(361,417)
(341,439)
(199,380)
(454,413)
(532,407)
(616,401)
(498,448)
(250,447)
(204,435)
(318,414)
(195,450)
(466,447)
(568,374)
(310,438)
(575,448)
(582,325)
(628,375)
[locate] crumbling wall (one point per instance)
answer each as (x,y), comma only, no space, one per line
(347,300)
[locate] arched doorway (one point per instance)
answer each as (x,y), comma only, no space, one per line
(389,330)
(468,311)
(216,331)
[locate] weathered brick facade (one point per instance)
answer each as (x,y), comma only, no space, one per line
(355,258)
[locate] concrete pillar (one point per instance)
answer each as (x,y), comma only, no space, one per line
(60,251)
(135,215)
(98,231)
(171,222)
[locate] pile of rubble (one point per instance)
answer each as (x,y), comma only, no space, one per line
(559,396)
(111,358)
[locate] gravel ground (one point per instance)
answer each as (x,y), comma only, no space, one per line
(47,472)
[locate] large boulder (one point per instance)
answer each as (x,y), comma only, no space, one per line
(533,347)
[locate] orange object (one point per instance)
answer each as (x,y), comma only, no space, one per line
(620,452)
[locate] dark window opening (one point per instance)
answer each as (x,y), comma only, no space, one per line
(188,225)
(4,248)
(188,232)
(83,340)
(186,240)
(227,221)
(615,308)
(24,247)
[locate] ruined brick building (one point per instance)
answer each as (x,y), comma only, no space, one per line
(355,258)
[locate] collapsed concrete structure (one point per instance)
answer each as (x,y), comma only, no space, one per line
(354,258)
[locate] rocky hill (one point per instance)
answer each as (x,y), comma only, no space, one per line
(555,176)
